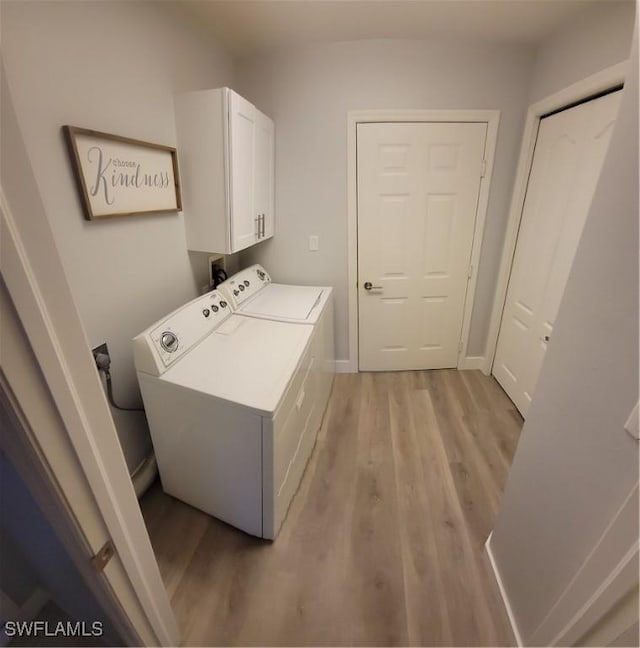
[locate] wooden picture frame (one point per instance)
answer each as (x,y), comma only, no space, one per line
(119,176)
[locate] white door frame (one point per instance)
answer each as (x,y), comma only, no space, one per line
(602,81)
(355,117)
(34,278)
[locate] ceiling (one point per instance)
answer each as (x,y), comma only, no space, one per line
(247,27)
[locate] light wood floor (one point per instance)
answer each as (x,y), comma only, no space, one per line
(383,543)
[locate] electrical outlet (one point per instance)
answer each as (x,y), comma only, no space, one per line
(314,243)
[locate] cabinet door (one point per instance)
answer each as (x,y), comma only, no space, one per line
(264,173)
(242,159)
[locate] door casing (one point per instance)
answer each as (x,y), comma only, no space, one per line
(355,117)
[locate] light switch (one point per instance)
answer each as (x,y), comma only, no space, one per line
(631,426)
(313,243)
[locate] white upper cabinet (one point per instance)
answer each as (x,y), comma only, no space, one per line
(226,156)
(264,180)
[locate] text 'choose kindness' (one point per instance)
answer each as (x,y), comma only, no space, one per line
(110,174)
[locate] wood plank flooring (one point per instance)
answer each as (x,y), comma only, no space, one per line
(384,542)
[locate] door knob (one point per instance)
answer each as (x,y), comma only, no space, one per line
(369,286)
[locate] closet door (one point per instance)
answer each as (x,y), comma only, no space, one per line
(568,157)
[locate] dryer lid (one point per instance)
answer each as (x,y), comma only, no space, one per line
(280,301)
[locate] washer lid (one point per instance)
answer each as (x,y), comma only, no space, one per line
(245,361)
(288,303)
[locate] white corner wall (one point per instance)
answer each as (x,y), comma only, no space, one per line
(575,464)
(110,66)
(595,39)
(308,92)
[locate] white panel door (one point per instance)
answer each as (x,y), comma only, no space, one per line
(568,157)
(418,186)
(242,125)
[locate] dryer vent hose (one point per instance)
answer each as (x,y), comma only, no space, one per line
(218,275)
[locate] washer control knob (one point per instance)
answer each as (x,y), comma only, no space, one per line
(169,341)
(223,304)
(246,283)
(206,312)
(236,292)
(241,286)
(261,275)
(214,308)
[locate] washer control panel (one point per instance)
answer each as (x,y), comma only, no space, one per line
(244,284)
(185,327)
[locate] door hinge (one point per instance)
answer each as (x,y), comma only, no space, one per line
(104,555)
(483,169)
(470,272)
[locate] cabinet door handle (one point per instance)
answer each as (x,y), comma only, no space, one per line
(257,222)
(262,231)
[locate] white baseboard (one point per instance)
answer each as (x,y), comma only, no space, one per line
(472,362)
(503,592)
(345,366)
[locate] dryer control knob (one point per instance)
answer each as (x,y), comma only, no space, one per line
(169,341)
(206,312)
(246,283)
(223,304)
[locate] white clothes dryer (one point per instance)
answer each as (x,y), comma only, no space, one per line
(230,403)
(252,294)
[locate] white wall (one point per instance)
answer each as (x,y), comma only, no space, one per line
(110,66)
(575,463)
(597,38)
(308,91)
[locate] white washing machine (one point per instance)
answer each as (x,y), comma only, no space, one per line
(230,402)
(252,294)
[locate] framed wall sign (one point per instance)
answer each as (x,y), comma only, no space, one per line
(119,176)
